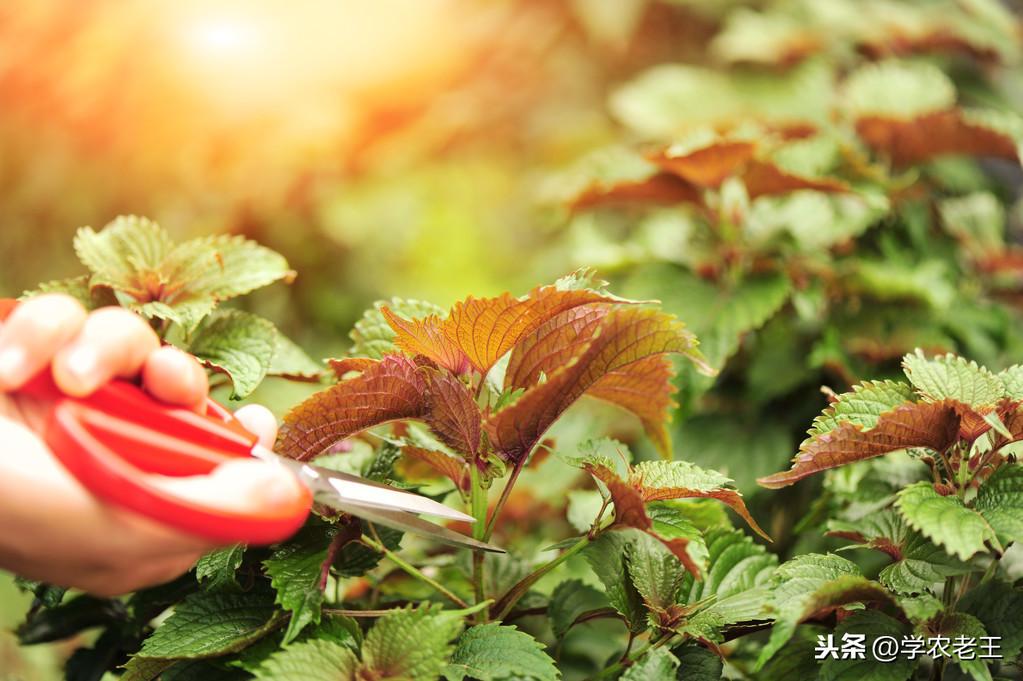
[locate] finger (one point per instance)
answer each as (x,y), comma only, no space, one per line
(176,377)
(259,421)
(33,333)
(112,342)
(241,486)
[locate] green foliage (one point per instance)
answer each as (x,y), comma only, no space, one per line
(492,651)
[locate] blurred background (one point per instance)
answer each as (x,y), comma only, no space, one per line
(428,149)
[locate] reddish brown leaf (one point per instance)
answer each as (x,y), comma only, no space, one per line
(426,337)
(708,166)
(908,142)
(658,188)
(454,469)
(453,414)
(392,389)
(767,179)
(486,328)
(923,424)
(730,497)
(347,365)
(552,345)
(645,389)
(630,511)
(623,336)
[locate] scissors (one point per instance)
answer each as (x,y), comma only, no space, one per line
(116,439)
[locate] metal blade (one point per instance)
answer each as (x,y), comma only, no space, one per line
(341,490)
(407,522)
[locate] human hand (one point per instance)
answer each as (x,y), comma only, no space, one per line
(54,529)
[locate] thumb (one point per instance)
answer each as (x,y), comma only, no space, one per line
(241,486)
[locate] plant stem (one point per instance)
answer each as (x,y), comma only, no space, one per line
(478,502)
(631,659)
(500,502)
(376,545)
(508,601)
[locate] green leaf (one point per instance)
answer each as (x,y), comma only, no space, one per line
(697,663)
(215,570)
(1012,381)
(124,252)
(411,643)
(872,624)
(737,564)
(657,665)
(373,337)
(952,377)
(239,344)
(956,624)
(570,599)
(813,583)
(490,652)
(898,89)
(224,266)
(862,406)
(291,361)
(945,520)
(671,520)
(655,572)
(919,563)
(999,606)
(606,556)
(78,288)
(977,220)
(314,660)
(1000,501)
(210,624)
(795,660)
(295,569)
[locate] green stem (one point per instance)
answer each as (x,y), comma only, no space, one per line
(505,493)
(412,570)
(508,601)
(478,502)
(633,658)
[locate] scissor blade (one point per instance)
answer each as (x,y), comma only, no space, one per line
(407,522)
(340,489)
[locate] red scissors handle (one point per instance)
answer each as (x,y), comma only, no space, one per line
(116,440)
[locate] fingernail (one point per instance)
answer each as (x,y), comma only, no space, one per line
(82,363)
(13,363)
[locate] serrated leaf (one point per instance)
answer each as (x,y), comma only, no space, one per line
(659,480)
(487,328)
(315,660)
(923,424)
(426,337)
(810,585)
(373,337)
(705,166)
(956,624)
(862,406)
(1000,501)
(623,336)
(999,606)
(696,663)
(655,572)
(392,389)
(569,600)
(238,343)
(453,469)
(736,564)
(453,414)
(210,624)
(657,665)
(79,289)
(291,362)
(182,283)
(673,520)
(954,378)
(216,569)
(918,563)
(872,624)
(295,569)
(412,643)
(490,652)
(606,557)
(909,142)
(945,520)
(633,389)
